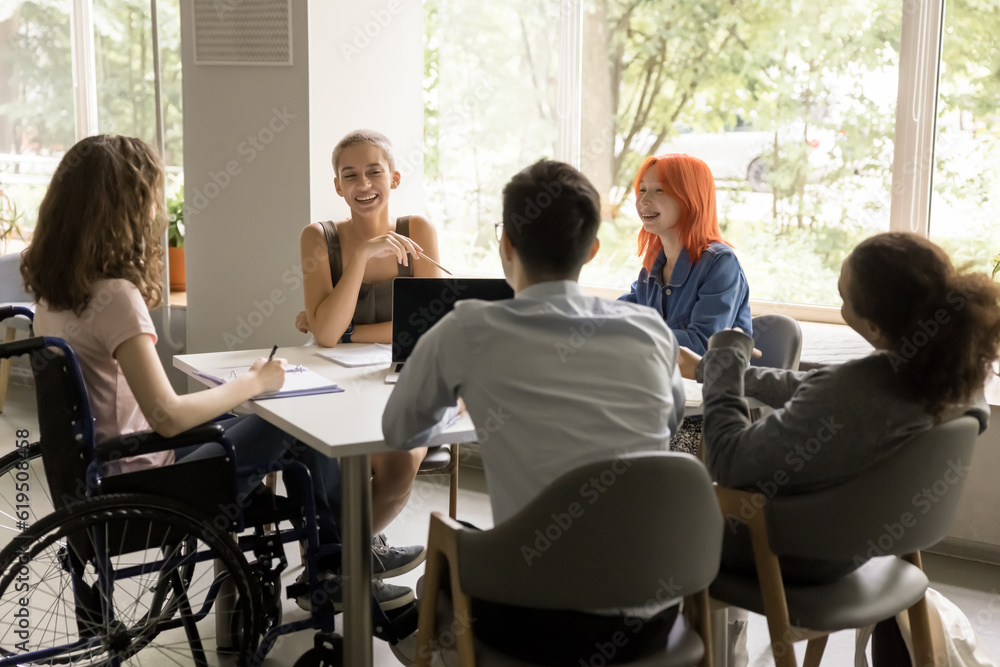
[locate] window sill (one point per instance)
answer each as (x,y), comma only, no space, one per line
(178,299)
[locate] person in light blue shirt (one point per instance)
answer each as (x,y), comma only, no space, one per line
(552,379)
(690,274)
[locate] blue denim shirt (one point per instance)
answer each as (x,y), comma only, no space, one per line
(700,299)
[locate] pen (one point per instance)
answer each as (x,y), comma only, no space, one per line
(273,350)
(435,263)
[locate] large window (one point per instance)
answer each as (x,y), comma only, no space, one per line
(36,103)
(39,117)
(490,82)
(123,47)
(792,105)
(785,102)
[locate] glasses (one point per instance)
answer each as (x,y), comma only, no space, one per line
(498,227)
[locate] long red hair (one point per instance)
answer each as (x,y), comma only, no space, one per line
(689,181)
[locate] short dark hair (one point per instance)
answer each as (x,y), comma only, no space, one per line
(551,213)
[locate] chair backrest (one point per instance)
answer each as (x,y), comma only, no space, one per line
(632,531)
(779,338)
(903,504)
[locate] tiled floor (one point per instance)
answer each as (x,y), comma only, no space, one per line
(974,587)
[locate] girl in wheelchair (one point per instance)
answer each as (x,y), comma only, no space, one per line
(94,268)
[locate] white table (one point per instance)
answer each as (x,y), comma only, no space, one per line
(346,425)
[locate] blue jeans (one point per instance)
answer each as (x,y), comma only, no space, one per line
(259,445)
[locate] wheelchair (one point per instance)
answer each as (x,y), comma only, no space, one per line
(110,569)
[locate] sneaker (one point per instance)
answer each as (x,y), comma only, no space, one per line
(389,562)
(328,595)
(405,650)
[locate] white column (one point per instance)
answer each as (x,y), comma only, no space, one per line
(916,115)
(257,144)
(568,95)
(84,72)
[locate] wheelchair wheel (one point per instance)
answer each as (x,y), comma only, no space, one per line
(24,493)
(96,583)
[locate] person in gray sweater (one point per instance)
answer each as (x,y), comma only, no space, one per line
(936,333)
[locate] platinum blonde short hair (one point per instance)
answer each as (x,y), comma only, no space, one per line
(369,137)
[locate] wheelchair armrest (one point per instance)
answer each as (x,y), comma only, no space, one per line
(147,442)
(19,347)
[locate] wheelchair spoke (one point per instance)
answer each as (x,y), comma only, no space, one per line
(136,575)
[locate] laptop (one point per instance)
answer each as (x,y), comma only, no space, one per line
(418,304)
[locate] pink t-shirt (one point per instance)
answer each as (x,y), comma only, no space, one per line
(116,313)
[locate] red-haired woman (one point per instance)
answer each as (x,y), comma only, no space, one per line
(690,275)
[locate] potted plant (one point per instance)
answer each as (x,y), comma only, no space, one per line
(8,221)
(175,241)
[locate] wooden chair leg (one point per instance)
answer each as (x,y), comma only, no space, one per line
(9,336)
(698,614)
(926,652)
(426,626)
(453,492)
(768,575)
(920,634)
(814,651)
(442,545)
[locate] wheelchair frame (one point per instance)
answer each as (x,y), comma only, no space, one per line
(103,506)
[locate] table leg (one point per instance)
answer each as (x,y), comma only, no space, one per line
(357,553)
(720,638)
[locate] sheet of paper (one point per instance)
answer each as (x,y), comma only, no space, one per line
(352,357)
(299,381)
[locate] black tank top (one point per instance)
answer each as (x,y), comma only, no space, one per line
(374,300)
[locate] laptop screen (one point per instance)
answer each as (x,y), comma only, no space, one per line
(418,303)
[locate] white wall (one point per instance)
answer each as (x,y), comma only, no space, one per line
(977,516)
(366,71)
(242,228)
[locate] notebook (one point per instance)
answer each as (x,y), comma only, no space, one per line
(353,357)
(418,304)
(299,381)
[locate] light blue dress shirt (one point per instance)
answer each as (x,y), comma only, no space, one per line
(700,299)
(552,379)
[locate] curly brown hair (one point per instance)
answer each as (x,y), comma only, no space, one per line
(946,320)
(101,217)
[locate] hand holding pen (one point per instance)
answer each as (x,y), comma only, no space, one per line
(401,246)
(271,371)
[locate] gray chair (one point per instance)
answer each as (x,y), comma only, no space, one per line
(882,518)
(656,521)
(779,338)
(11,294)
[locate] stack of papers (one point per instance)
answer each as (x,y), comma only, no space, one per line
(692,393)
(299,381)
(352,357)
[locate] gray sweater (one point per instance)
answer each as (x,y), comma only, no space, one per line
(829,425)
